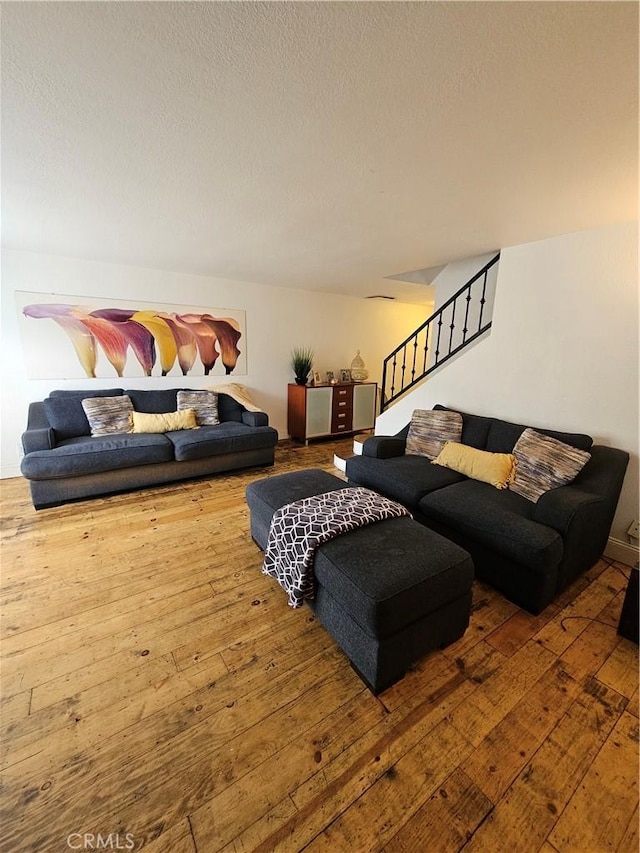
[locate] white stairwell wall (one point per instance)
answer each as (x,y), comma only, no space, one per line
(562,352)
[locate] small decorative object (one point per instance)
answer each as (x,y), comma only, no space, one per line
(301,363)
(345,375)
(316,377)
(359,372)
(331,377)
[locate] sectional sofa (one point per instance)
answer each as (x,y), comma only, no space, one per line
(528,550)
(63,462)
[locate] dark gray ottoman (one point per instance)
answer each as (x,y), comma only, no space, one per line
(388,593)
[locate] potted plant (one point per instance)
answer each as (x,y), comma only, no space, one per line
(301,363)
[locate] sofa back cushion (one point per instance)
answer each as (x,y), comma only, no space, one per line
(503,436)
(65,413)
(229,409)
(475,428)
(154,402)
(158,402)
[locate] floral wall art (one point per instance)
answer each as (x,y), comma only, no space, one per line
(67,337)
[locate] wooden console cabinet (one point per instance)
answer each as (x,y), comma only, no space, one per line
(316,411)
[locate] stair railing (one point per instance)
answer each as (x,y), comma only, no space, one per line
(431,345)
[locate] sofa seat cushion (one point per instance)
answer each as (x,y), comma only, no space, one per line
(388,575)
(500,520)
(76,457)
(228,437)
(406,479)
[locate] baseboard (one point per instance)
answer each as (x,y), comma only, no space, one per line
(8,471)
(622,552)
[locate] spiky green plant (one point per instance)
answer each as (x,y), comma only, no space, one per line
(301,363)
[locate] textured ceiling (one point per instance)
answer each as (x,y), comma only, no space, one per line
(318,145)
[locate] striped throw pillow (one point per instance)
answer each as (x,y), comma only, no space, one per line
(204,403)
(430,430)
(108,415)
(544,463)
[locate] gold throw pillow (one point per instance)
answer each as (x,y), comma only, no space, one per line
(165,422)
(498,469)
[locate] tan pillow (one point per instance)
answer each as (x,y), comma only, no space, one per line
(544,463)
(429,430)
(498,469)
(165,422)
(108,415)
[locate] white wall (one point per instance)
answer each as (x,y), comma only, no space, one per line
(277,320)
(563,349)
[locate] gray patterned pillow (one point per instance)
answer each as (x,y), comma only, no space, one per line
(204,403)
(544,463)
(430,430)
(108,415)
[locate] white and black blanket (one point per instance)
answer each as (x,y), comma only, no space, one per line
(298,528)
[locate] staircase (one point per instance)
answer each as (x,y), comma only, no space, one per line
(455,325)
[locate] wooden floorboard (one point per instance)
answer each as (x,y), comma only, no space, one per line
(157,691)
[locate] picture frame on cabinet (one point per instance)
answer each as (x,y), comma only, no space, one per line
(345,375)
(316,377)
(330,376)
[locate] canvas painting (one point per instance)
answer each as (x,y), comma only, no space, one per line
(70,337)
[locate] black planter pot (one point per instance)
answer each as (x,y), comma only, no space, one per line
(301,381)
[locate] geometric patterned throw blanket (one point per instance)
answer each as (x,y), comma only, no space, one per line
(298,528)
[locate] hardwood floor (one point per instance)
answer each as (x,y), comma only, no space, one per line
(158,692)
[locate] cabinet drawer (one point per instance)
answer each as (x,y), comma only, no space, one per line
(340,407)
(342,402)
(341,421)
(343,392)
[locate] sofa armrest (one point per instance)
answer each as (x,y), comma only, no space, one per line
(39,435)
(38,439)
(384,446)
(255,419)
(566,507)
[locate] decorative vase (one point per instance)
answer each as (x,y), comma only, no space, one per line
(358,371)
(301,381)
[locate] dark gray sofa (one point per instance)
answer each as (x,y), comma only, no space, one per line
(62,462)
(528,551)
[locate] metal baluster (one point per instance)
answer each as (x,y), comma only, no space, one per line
(383,401)
(426,346)
(466,315)
(482,300)
(452,325)
(413,365)
(393,375)
(438,339)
